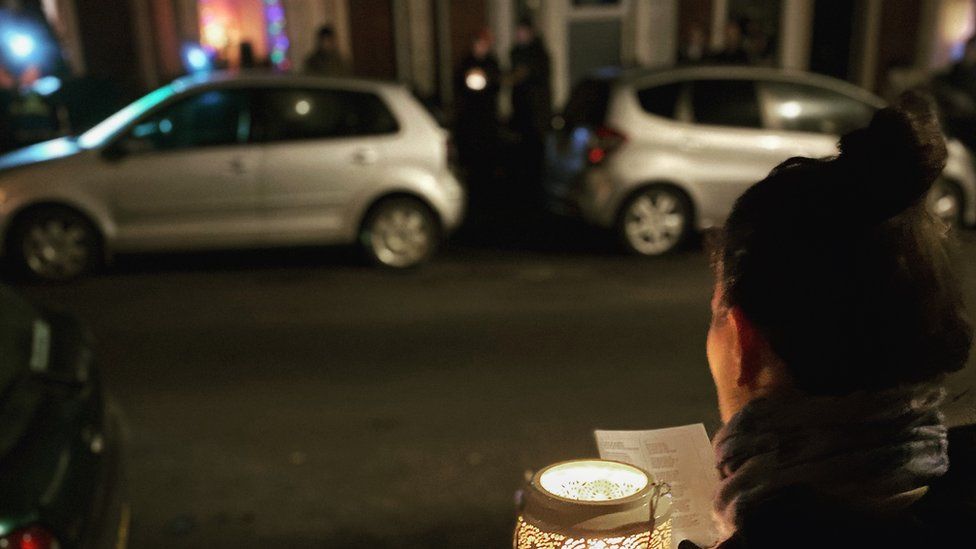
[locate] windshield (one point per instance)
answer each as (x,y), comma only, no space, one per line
(17,320)
(104,130)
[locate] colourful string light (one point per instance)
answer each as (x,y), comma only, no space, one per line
(274,16)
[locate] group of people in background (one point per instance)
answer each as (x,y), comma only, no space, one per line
(744,42)
(477,86)
(478,82)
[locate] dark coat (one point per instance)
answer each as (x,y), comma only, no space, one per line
(326,63)
(531,88)
(944,517)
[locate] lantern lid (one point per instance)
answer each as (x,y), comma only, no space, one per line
(593,481)
(594,495)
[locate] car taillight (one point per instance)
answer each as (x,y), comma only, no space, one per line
(604,141)
(32,537)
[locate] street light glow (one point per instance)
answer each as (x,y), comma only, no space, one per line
(21,44)
(197,58)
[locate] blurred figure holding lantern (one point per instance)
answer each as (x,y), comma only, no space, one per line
(477,83)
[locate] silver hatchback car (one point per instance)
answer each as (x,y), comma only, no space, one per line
(230,161)
(658,155)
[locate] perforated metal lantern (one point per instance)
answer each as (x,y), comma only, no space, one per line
(590,504)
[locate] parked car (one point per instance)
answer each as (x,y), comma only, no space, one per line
(228,161)
(657,155)
(61,475)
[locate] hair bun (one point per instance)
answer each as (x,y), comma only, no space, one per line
(898,156)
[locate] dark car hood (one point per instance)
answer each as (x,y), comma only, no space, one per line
(49,396)
(40,152)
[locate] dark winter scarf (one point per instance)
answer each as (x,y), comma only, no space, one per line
(866,447)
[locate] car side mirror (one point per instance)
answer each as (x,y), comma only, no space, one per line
(115,151)
(125,146)
(557,122)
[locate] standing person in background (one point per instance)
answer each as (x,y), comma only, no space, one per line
(757,43)
(476,84)
(326,60)
(734,52)
(694,48)
(247,55)
(531,99)
(956,93)
(8,93)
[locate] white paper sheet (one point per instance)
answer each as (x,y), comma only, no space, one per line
(682,457)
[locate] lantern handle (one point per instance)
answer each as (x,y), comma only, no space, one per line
(658,490)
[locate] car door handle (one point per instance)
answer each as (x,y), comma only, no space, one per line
(365,156)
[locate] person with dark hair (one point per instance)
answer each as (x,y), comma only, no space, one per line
(733,51)
(247,60)
(694,46)
(8,94)
(326,60)
(531,99)
(834,323)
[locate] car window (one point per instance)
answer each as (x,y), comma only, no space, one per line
(289,114)
(806,108)
(588,103)
(209,118)
(726,103)
(661,100)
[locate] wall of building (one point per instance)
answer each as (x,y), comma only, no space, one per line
(421,40)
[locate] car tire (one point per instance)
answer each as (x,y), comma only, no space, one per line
(655,221)
(945,201)
(53,244)
(399,233)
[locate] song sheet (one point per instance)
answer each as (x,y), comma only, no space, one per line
(681,457)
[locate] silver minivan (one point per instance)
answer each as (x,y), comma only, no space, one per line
(657,155)
(229,161)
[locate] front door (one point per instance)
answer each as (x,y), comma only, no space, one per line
(322,149)
(185,176)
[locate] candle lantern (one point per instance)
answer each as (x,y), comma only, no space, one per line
(589,504)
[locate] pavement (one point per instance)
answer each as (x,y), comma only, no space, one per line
(301,399)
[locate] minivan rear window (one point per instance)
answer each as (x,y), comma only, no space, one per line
(661,100)
(726,103)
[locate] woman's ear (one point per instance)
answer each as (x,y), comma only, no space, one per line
(751,348)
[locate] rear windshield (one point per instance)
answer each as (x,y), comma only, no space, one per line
(732,103)
(588,103)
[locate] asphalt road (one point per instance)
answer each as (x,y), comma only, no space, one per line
(300,399)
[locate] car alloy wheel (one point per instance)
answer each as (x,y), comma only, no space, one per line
(655,221)
(56,244)
(400,233)
(944,201)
